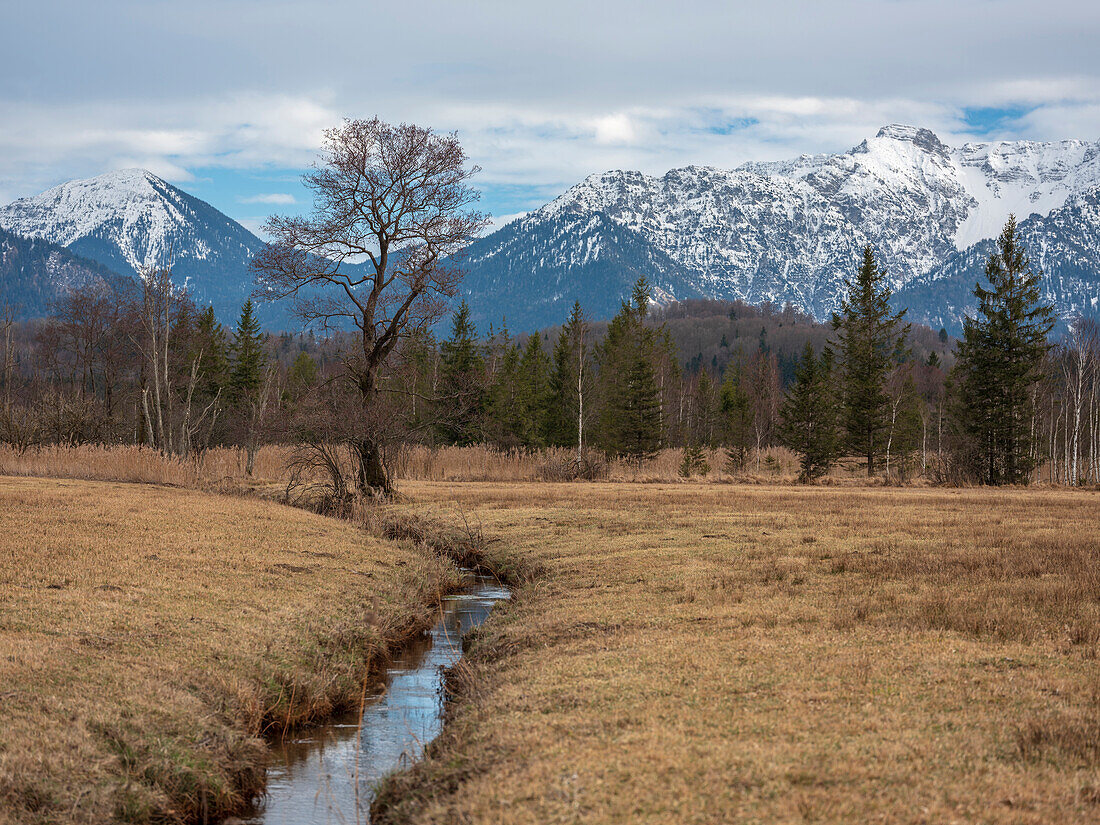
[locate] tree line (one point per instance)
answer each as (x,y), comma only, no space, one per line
(373,271)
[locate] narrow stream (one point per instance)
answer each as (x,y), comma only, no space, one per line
(328,774)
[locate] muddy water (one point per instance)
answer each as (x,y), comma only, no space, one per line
(328,774)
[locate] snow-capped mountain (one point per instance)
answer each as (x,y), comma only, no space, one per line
(788,231)
(130,219)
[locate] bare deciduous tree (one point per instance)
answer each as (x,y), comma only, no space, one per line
(391,213)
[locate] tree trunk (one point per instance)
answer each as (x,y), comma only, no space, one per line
(373,478)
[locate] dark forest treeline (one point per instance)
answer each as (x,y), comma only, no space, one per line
(128,361)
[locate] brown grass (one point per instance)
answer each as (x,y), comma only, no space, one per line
(222,468)
(150,636)
(720,653)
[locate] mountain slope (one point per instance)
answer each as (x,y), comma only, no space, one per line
(131,219)
(1065,245)
(34,273)
(783,232)
(533,274)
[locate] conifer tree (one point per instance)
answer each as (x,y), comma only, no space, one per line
(737,420)
(210,346)
(704,410)
(630,419)
(302,376)
(462,381)
(249,358)
(999,363)
(534,393)
(570,385)
(810,415)
(871,338)
(503,416)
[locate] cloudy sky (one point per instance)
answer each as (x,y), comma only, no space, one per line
(228,99)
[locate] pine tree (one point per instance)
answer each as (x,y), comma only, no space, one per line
(810,415)
(737,420)
(693,462)
(534,393)
(210,346)
(462,382)
(999,363)
(302,376)
(704,410)
(570,385)
(871,338)
(249,358)
(503,416)
(630,419)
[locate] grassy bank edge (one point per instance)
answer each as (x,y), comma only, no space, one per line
(462,547)
(401,794)
(220,779)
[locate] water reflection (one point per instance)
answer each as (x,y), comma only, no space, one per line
(327,774)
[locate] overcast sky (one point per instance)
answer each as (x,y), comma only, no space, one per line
(228,99)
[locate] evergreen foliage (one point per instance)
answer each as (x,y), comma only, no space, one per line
(533,397)
(736,411)
(249,358)
(570,378)
(462,382)
(630,419)
(210,345)
(810,415)
(999,363)
(871,338)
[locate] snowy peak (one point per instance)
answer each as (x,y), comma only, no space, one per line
(130,220)
(792,230)
(924,139)
(144,218)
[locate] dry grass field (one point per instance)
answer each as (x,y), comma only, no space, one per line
(697,653)
(149,635)
(222,468)
(714,654)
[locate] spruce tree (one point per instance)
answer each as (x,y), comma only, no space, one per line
(210,345)
(534,393)
(503,416)
(301,377)
(810,414)
(462,382)
(737,420)
(570,381)
(704,410)
(249,358)
(999,361)
(871,338)
(630,418)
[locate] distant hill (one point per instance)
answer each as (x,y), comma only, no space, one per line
(34,273)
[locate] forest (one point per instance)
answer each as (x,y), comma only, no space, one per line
(128,361)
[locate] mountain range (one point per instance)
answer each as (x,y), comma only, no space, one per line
(792,231)
(781,232)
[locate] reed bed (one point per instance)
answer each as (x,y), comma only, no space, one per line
(223,468)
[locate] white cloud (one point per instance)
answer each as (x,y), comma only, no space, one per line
(538,100)
(616,128)
(275,198)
